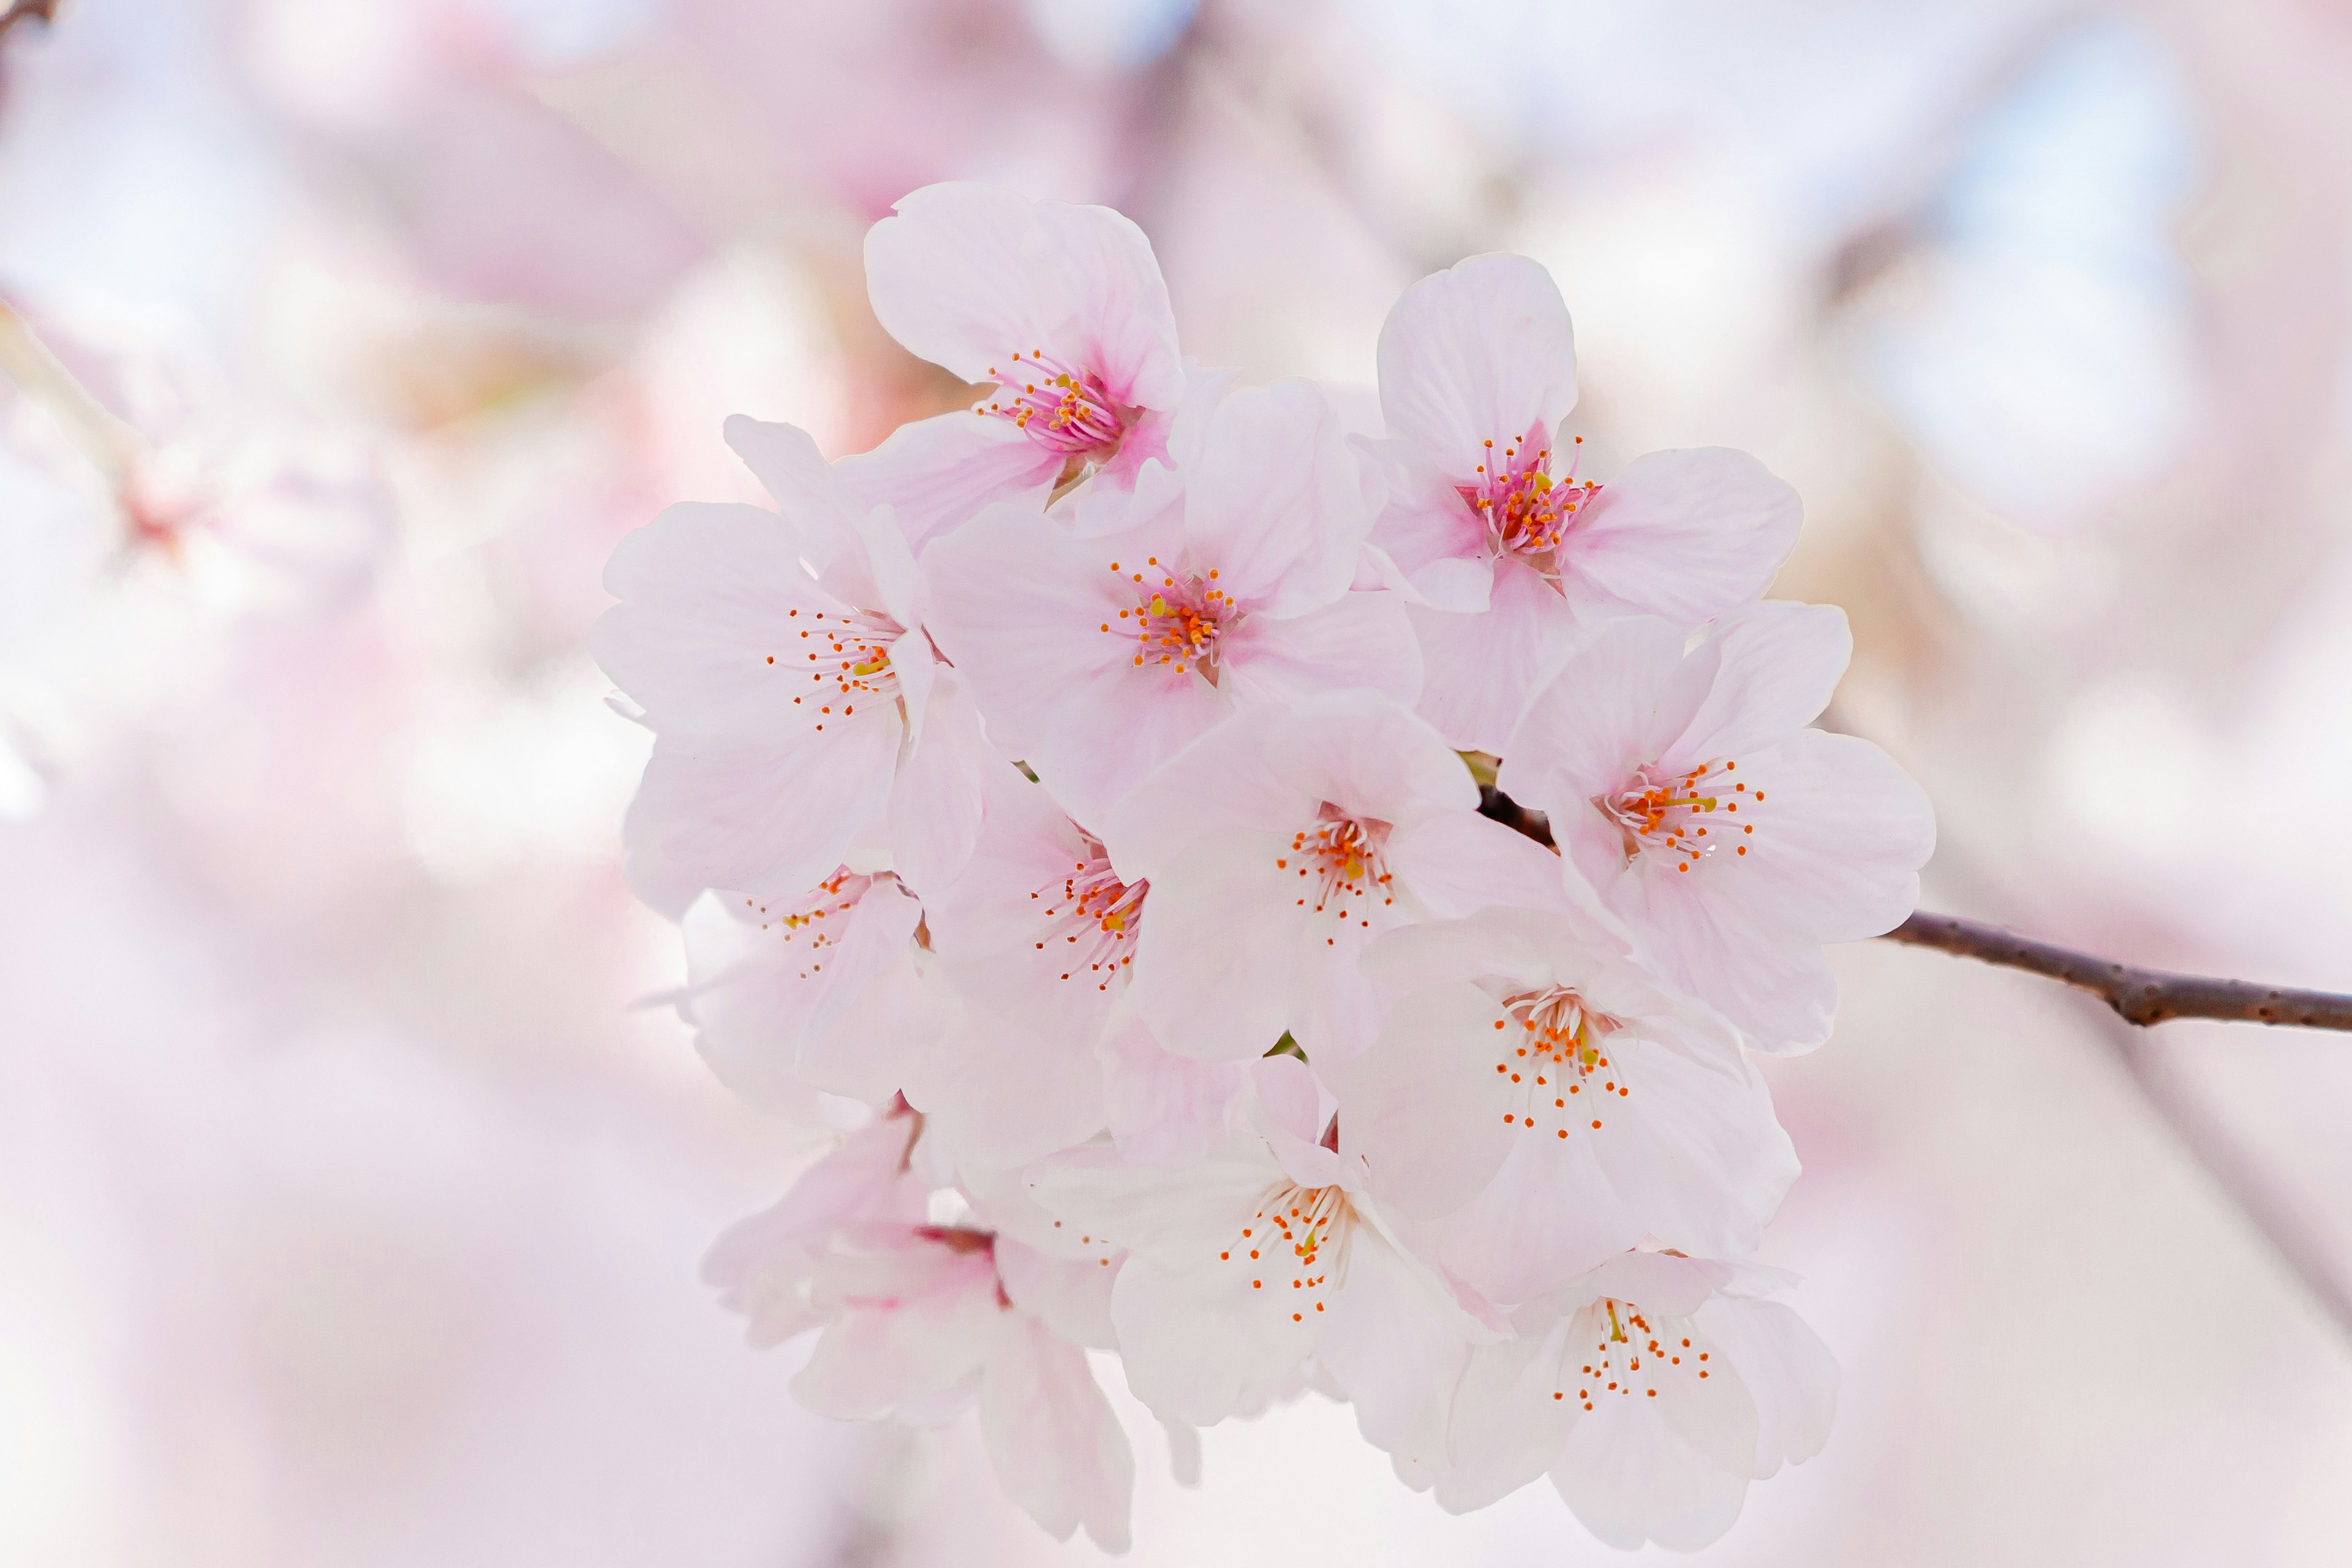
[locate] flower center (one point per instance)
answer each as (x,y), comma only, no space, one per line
(1633,1354)
(1285,1243)
(811,924)
(1061,408)
(1343,860)
(1178,624)
(1091,919)
(1675,816)
(847,657)
(1525,510)
(1558,1070)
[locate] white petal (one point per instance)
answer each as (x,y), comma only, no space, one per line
(1415,1107)
(772,818)
(967,275)
(809,490)
(1838,842)
(1275,503)
(705,636)
(1163,1108)
(1058,1450)
(937,474)
(1394,1340)
(1682,535)
(1609,710)
(1357,641)
(1786,1370)
(1630,1476)
(1071,1296)
(1481,352)
(1212,971)
(1777,665)
(1478,669)
(1693,1149)
(936,799)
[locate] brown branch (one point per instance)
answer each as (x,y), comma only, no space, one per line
(43,11)
(2142,997)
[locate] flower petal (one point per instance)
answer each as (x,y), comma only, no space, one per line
(1682,535)
(1482,352)
(1058,1450)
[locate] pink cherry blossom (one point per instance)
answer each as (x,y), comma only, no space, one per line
(1544,1105)
(1281,843)
(1652,1390)
(1038,938)
(1732,840)
(1094,660)
(820,993)
(1061,309)
(797,702)
(1260,1269)
(920,1319)
(1505,551)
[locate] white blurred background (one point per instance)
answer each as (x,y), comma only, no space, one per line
(352,1194)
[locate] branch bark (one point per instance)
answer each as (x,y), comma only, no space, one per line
(27,10)
(2141,996)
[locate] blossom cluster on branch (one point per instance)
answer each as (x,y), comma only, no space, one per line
(1086,785)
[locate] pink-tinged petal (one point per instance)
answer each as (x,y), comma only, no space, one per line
(706,637)
(1225,782)
(1201,1345)
(1425,529)
(1289,1103)
(1334,1011)
(937,474)
(1373,757)
(1058,1450)
(1549,1214)
(1394,1339)
(1683,536)
(936,799)
(1459,862)
(1837,845)
(1693,1150)
(1275,503)
(1506,1428)
(809,491)
(1483,352)
(1413,1107)
(767,996)
(1777,665)
(1019,608)
(1071,1296)
(762,1265)
(967,275)
(1120,304)
(1183,1453)
(1787,1372)
(1213,973)
(1494,943)
(1609,710)
(890,565)
(769,819)
(1358,641)
(1182,1217)
(1778,990)
(999,1092)
(922,1340)
(1630,1476)
(1477,669)
(1163,1108)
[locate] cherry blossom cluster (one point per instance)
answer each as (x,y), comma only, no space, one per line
(1087,789)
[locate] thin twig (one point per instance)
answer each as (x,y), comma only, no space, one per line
(27,10)
(2142,997)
